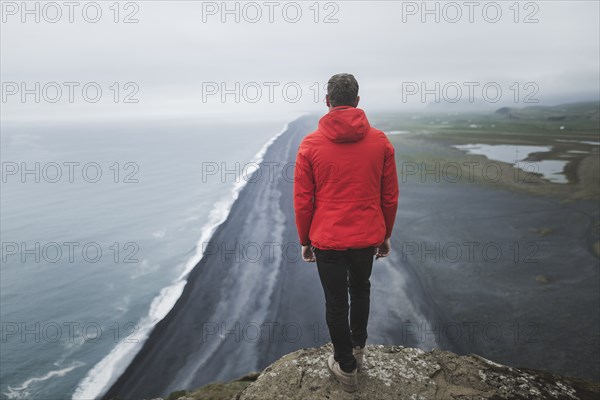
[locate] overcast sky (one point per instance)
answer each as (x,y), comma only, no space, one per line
(180,55)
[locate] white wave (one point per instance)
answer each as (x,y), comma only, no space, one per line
(103,374)
(20,392)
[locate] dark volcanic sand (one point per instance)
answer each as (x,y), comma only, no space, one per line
(240,311)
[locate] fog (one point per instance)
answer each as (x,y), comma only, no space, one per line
(218,60)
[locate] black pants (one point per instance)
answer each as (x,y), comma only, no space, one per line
(341,271)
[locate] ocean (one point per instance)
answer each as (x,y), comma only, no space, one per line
(100,225)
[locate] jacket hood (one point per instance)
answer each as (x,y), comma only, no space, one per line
(344,124)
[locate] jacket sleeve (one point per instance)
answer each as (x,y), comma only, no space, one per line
(304,192)
(389,189)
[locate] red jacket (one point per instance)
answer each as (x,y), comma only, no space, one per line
(345,183)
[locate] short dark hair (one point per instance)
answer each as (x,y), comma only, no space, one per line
(342,90)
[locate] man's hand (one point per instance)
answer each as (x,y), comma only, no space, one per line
(308,254)
(384,249)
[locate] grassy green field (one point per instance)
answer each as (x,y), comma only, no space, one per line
(581,121)
(563,127)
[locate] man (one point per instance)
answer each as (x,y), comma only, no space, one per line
(345,200)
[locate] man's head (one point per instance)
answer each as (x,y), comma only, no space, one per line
(342,90)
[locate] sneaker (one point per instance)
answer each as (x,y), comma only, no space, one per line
(359,354)
(348,380)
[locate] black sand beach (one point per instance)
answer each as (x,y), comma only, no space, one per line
(251,299)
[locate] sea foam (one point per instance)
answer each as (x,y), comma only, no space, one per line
(106,372)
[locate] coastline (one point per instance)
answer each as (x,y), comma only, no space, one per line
(106,372)
(198,269)
(239,313)
(205,336)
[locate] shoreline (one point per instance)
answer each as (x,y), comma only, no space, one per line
(408,290)
(106,372)
(176,311)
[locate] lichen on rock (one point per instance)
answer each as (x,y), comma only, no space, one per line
(396,372)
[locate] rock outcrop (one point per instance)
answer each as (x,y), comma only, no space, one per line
(398,373)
